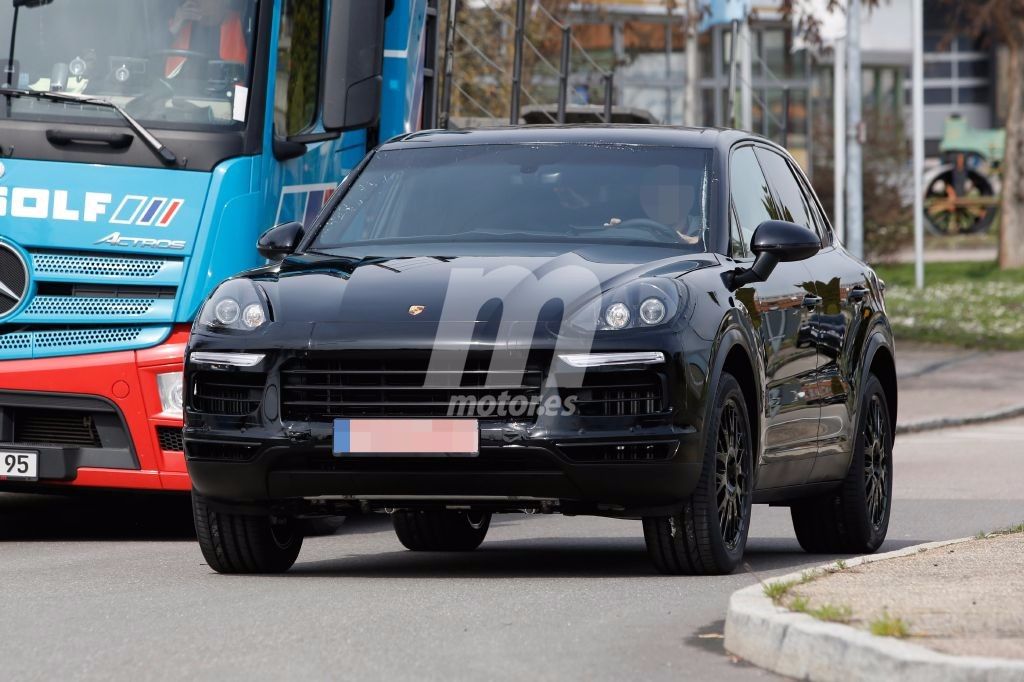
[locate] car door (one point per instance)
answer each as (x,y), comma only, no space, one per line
(779,312)
(841,283)
(847,301)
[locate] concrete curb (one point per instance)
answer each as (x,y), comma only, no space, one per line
(947,422)
(799,646)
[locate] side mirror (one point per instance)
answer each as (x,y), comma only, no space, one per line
(774,242)
(280,240)
(354,64)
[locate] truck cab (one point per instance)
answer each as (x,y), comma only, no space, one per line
(144,145)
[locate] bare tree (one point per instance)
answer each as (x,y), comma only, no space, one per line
(1002,21)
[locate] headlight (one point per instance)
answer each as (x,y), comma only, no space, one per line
(644,303)
(237,304)
(169,385)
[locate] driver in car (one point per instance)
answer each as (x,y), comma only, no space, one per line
(209,27)
(668,199)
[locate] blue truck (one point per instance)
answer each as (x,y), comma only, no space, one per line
(144,145)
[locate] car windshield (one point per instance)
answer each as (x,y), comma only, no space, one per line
(169,63)
(543,192)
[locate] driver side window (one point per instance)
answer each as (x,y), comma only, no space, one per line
(752,201)
(297,87)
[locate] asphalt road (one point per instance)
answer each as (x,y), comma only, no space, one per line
(117,589)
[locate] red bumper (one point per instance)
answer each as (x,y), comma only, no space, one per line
(126,379)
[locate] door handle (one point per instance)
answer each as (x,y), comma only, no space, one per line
(62,138)
(857,294)
(811,301)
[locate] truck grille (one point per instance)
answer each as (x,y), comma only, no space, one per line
(170,439)
(233,394)
(321,388)
(55,427)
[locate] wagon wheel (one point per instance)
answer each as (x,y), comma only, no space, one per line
(949,211)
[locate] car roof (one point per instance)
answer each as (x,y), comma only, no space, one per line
(644,135)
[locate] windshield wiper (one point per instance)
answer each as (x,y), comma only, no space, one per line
(165,154)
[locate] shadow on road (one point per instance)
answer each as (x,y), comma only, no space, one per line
(540,557)
(95,516)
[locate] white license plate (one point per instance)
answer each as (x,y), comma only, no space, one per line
(406,437)
(19,466)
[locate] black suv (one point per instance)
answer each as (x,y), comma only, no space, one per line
(639,322)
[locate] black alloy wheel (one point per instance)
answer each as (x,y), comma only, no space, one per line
(708,535)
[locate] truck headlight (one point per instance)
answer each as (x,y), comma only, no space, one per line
(647,302)
(170,387)
(238,304)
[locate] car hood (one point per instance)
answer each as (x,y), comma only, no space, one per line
(424,289)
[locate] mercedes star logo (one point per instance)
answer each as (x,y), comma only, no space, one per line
(13,279)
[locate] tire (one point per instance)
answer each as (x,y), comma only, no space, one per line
(239,543)
(692,541)
(854,518)
(440,531)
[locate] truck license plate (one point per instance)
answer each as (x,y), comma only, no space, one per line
(19,466)
(406,437)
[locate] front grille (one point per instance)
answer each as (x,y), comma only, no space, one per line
(619,393)
(490,460)
(170,438)
(91,265)
(323,387)
(221,452)
(233,394)
(634,451)
(55,427)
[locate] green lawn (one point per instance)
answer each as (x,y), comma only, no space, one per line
(975,305)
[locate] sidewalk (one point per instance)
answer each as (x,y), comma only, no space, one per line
(962,599)
(953,383)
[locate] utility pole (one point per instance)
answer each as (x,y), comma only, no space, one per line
(746,96)
(917,104)
(854,178)
(692,102)
(839,138)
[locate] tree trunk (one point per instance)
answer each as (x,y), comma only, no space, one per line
(1011,234)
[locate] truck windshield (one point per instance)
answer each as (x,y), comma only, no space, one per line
(547,192)
(168,63)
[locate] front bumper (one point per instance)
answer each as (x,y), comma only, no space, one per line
(614,464)
(115,397)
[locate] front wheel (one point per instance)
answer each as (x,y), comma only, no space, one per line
(240,543)
(441,531)
(854,518)
(708,536)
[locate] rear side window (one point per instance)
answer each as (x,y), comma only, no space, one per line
(752,201)
(794,204)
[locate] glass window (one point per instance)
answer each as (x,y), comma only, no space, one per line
(752,201)
(973,95)
(169,64)
(938,69)
(973,68)
(298,66)
(794,204)
(938,96)
(556,193)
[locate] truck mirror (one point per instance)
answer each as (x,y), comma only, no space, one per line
(351,86)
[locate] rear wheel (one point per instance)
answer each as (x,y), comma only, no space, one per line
(855,518)
(708,536)
(240,543)
(441,531)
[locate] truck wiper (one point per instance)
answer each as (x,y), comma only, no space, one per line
(165,154)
